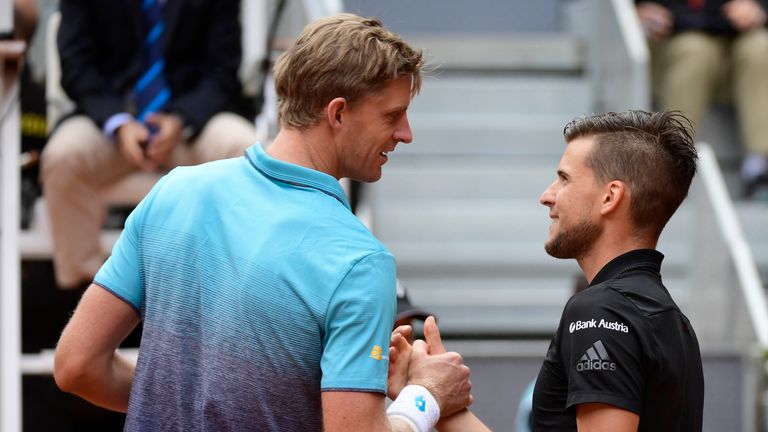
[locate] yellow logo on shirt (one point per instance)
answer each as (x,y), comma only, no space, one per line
(376,352)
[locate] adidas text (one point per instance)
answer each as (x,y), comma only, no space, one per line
(595,365)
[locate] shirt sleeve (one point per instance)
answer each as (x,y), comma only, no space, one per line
(358,327)
(121,274)
(600,346)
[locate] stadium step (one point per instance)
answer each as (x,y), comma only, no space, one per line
(525,52)
(517,93)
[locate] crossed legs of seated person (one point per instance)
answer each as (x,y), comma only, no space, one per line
(79,161)
(693,68)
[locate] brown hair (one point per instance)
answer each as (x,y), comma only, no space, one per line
(339,56)
(652,152)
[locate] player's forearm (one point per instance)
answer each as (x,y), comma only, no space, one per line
(462,421)
(104,383)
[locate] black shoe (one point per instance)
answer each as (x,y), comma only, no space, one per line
(757,188)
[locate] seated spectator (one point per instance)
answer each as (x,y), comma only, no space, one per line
(155,85)
(702,48)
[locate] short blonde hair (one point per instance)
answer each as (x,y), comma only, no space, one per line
(344,55)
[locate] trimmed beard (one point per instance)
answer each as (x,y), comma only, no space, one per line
(574,242)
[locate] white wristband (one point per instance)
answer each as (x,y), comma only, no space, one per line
(418,405)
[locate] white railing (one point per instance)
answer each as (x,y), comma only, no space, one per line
(731,233)
(728,306)
(6,15)
(618,55)
(10,302)
(634,79)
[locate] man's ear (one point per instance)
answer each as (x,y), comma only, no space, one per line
(335,111)
(614,196)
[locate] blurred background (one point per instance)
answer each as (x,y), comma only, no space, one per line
(458,207)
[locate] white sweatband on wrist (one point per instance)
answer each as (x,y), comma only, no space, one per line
(418,405)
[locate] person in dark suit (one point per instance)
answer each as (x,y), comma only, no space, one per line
(155,85)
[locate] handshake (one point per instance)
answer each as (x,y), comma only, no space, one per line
(429,386)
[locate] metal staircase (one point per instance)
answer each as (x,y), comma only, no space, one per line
(459,206)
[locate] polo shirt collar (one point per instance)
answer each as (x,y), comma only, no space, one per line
(294,174)
(630,260)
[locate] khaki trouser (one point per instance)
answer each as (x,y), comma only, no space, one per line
(692,69)
(78,161)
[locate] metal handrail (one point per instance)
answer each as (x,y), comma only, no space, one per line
(736,242)
(618,56)
(10,301)
(637,51)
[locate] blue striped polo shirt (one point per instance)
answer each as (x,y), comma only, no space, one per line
(258,289)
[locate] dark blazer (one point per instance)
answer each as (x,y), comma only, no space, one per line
(99,44)
(708,19)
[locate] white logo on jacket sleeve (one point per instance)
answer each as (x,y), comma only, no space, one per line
(593,323)
(595,359)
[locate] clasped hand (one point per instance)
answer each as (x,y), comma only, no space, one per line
(146,150)
(427,363)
